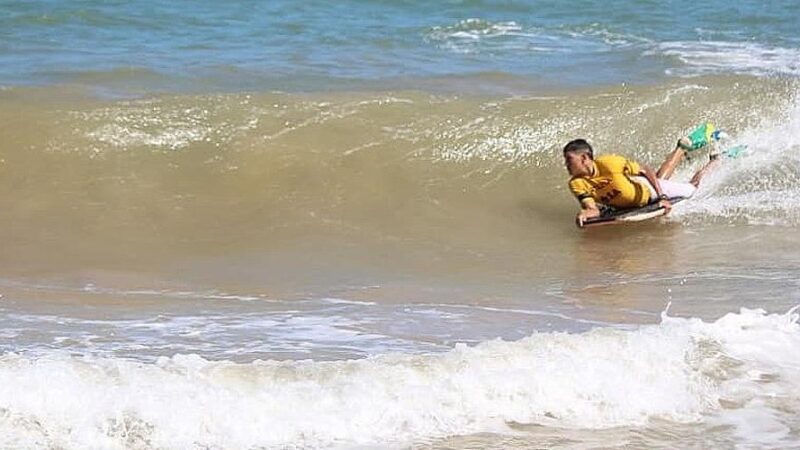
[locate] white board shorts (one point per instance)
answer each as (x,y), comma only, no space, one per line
(668,188)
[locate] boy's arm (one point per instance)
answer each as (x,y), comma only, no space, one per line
(653,180)
(588,210)
(583,192)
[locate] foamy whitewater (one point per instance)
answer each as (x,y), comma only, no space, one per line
(347,225)
(739,372)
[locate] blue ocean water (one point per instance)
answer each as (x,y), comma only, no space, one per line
(310,45)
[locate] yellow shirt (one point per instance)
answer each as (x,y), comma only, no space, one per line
(610,183)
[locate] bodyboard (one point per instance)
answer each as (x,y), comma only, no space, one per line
(620,216)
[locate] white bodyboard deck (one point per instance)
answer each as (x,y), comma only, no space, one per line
(621,216)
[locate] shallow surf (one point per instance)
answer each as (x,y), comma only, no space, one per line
(273,226)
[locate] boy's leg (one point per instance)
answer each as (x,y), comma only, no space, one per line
(710,165)
(699,137)
(672,161)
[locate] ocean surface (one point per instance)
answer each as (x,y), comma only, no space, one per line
(271,225)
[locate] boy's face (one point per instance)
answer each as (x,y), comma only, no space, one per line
(578,164)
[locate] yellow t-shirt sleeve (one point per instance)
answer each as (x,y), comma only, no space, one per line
(618,164)
(582,190)
(631,168)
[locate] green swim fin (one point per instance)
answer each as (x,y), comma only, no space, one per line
(699,137)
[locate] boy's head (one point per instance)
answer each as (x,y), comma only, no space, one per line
(578,157)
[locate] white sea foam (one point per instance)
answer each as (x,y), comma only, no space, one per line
(502,140)
(668,96)
(161,124)
(678,370)
(725,57)
(611,38)
(145,124)
(763,185)
(476,35)
(242,336)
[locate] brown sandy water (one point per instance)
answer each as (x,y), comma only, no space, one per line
(332,234)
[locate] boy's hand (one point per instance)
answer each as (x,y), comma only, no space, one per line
(582,216)
(666,204)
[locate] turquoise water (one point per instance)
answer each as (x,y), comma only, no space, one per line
(311,45)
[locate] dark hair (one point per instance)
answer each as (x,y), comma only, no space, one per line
(579,146)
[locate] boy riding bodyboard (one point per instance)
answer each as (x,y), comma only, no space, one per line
(616,182)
